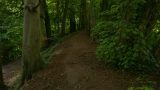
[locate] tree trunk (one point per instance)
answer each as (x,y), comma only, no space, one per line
(92,14)
(103,5)
(83,15)
(31,39)
(72,19)
(1,75)
(2,86)
(89,17)
(57,18)
(47,22)
(65,10)
(149,16)
(43,35)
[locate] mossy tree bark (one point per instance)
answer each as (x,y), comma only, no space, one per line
(31,39)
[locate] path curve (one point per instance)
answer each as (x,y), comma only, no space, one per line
(74,67)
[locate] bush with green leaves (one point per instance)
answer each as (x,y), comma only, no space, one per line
(103,30)
(11,41)
(127,36)
(123,46)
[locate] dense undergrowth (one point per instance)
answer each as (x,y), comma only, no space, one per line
(125,47)
(11,38)
(121,41)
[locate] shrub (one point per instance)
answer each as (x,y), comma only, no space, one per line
(11,42)
(102,30)
(123,46)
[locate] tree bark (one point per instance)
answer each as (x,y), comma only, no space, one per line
(103,5)
(1,75)
(31,39)
(43,35)
(83,15)
(2,85)
(149,16)
(47,22)
(57,18)
(72,19)
(92,13)
(65,11)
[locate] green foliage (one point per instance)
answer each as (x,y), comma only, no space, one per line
(10,30)
(123,46)
(103,30)
(47,54)
(153,38)
(122,42)
(11,40)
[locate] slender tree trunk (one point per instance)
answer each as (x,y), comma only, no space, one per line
(72,19)
(1,76)
(83,15)
(149,16)
(89,17)
(47,22)
(103,5)
(65,11)
(31,39)
(57,19)
(2,85)
(43,35)
(92,14)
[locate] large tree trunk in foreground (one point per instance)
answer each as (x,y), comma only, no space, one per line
(31,39)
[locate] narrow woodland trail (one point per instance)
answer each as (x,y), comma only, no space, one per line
(11,72)
(74,67)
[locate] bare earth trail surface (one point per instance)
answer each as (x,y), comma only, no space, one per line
(74,67)
(11,72)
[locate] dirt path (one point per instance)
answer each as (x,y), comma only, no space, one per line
(11,72)
(74,67)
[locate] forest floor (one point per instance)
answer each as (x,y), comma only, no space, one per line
(11,72)
(74,66)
